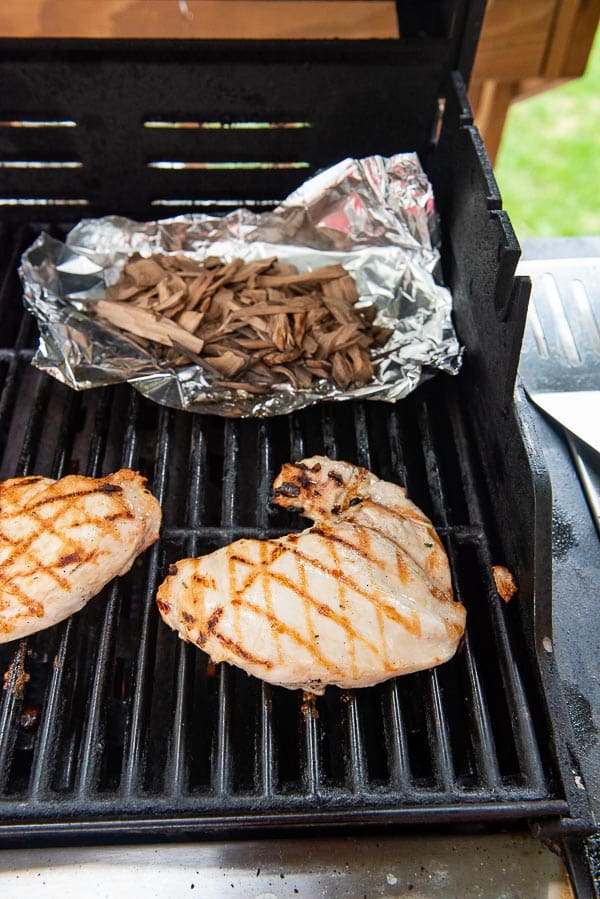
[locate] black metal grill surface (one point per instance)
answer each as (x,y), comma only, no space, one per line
(122,726)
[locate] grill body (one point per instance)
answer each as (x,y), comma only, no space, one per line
(124,731)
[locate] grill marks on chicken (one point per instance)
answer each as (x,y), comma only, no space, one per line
(361,596)
(62,541)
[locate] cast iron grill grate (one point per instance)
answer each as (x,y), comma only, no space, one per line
(122,722)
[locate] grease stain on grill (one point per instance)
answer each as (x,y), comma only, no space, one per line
(582,717)
(563,537)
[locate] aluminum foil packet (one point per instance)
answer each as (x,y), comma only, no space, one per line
(375,216)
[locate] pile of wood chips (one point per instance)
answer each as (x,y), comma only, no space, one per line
(250,324)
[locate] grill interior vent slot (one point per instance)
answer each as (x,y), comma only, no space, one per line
(38,123)
(223,165)
(226,126)
(38,164)
(43,201)
(220,203)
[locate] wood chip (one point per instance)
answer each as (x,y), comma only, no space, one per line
(144,272)
(229,363)
(145,324)
(318,275)
(263,319)
(190,320)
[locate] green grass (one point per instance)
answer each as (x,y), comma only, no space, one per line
(548,168)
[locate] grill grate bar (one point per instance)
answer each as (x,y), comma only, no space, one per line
(357,767)
(395,446)
(222,760)
(24,333)
(197,465)
(266,774)
(18,245)
(160,818)
(87,774)
(9,392)
(30,440)
(361,431)
(231,440)
(483,742)
(400,773)
(177,768)
(176,771)
(391,807)
(134,742)
(462,442)
(311,771)
(222,534)
(221,768)
(8,712)
(439,737)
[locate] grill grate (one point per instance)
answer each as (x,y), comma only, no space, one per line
(123,726)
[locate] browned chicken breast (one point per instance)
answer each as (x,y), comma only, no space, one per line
(363,595)
(62,541)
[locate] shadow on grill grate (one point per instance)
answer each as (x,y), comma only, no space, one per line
(122,718)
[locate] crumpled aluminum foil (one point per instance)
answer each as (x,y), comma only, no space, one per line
(375,216)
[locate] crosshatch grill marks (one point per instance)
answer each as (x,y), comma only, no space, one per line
(303,582)
(402,567)
(408,517)
(70,547)
(240,651)
(266,586)
(76,494)
(410,624)
(380,622)
(342,603)
(413,515)
(41,550)
(293,633)
(301,589)
(30,606)
(373,562)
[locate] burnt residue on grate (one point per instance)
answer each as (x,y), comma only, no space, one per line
(121,719)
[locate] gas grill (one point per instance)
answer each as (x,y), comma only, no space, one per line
(122,731)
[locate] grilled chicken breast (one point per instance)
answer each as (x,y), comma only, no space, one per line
(363,595)
(62,541)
